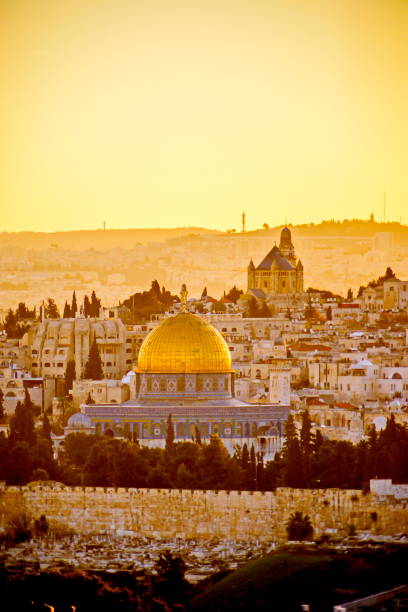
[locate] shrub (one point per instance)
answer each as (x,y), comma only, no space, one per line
(299,527)
(19,529)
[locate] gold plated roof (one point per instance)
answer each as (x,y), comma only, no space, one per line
(184,344)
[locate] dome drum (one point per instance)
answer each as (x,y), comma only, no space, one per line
(182,386)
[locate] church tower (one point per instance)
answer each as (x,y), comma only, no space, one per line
(286,246)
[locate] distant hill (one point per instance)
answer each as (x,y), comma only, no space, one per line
(129,238)
(96,239)
(344,229)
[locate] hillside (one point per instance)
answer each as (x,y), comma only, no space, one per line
(284,580)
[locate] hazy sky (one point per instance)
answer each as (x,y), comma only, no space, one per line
(164,113)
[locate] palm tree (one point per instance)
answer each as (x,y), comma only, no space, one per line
(299,527)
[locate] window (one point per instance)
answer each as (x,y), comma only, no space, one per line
(47,365)
(60,365)
(234,329)
(129,350)
(34,364)
(108,363)
(128,361)
(128,340)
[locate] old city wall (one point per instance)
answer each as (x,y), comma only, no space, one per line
(234,515)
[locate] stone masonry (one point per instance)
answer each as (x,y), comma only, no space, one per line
(202,515)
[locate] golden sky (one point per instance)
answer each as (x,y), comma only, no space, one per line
(169,113)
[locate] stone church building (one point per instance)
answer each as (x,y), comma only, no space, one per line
(279,273)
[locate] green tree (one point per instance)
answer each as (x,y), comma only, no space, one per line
(51,310)
(310,312)
(170,582)
(299,527)
(264,310)
(218,307)
(77,447)
(234,294)
(70,375)
(22,423)
(217,470)
(19,464)
(93,368)
(96,305)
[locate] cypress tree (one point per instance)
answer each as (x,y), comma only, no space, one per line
(294,465)
(245,458)
(306,432)
(169,434)
(93,368)
(290,431)
(87,306)
(74,307)
(95,305)
(252,469)
(197,435)
(69,376)
(67,311)
(2,413)
(306,445)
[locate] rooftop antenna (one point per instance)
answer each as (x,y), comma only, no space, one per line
(243,222)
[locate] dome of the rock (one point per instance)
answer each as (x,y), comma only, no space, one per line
(185,343)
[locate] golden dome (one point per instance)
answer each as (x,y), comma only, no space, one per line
(185,343)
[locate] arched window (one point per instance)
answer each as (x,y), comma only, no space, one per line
(397,376)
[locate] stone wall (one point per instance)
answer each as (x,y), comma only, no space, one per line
(246,516)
